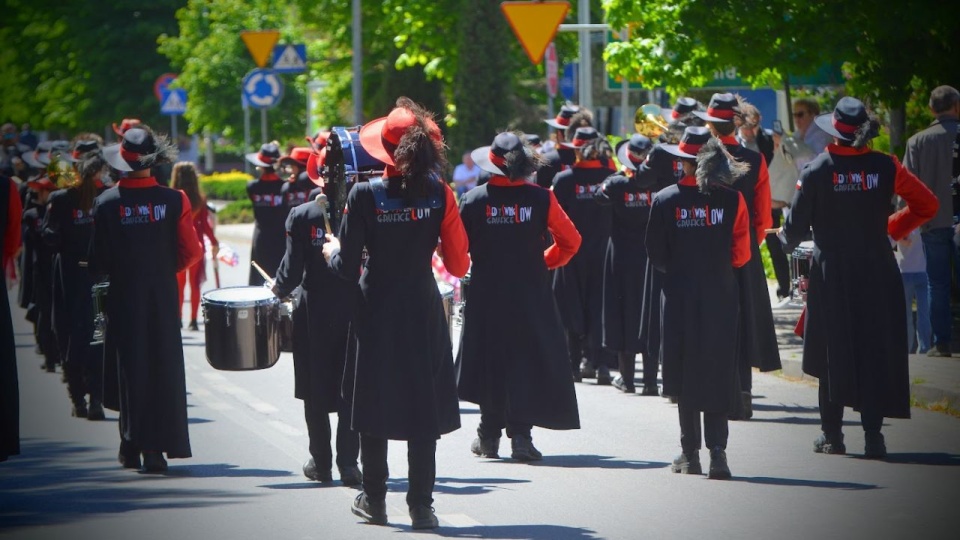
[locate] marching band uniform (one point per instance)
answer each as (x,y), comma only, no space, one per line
(625,264)
(511,350)
(10,212)
(854,341)
(578,286)
(42,273)
(320,324)
(758,337)
(296,189)
(404,387)
(143,235)
(269,212)
(697,239)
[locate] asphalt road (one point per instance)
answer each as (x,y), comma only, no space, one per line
(610,479)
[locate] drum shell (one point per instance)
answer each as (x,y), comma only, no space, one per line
(801,261)
(242,336)
(99,294)
(446,295)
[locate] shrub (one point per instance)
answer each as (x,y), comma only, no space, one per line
(231,186)
(236,212)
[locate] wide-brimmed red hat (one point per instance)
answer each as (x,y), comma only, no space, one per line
(693,139)
(380,137)
(43,183)
(126,124)
(298,155)
(268,156)
(315,162)
(722,108)
(582,136)
(319,141)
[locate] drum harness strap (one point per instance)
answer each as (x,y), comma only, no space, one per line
(386,204)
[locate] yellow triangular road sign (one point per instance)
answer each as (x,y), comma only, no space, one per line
(260,44)
(535,24)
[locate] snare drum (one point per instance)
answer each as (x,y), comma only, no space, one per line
(801,260)
(242,328)
(99,294)
(446,294)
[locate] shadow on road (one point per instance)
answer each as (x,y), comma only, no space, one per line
(448,486)
(596,462)
(53,482)
(933,458)
(805,421)
(222,470)
(518,532)
(783,407)
(799,482)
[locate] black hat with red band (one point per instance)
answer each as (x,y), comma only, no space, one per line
(268,156)
(683,106)
(845,120)
(582,136)
(631,152)
(693,139)
(139,149)
(79,149)
(562,119)
(722,108)
(493,158)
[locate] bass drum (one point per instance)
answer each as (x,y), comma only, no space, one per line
(346,162)
(242,328)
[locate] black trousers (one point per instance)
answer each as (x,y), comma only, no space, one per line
(421,461)
(651,367)
(831,414)
(777,256)
(84,370)
(318,431)
(493,419)
(577,350)
(715,429)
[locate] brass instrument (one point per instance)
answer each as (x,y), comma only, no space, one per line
(648,122)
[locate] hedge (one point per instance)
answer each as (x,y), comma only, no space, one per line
(236,212)
(231,186)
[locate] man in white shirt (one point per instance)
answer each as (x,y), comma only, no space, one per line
(465,175)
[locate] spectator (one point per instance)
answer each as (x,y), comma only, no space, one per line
(465,175)
(804,111)
(28,137)
(913,270)
(930,156)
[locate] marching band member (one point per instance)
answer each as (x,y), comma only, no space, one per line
(67,228)
(184,178)
(697,235)
(10,212)
(854,341)
(298,184)
(269,212)
(578,286)
(404,386)
(514,371)
(625,264)
(321,323)
(758,337)
(143,235)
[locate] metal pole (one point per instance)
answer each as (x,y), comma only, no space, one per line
(246,137)
(357,65)
(586,67)
(263,125)
(624,93)
(208,163)
(550,113)
(173,128)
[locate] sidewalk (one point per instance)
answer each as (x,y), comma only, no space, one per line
(932,380)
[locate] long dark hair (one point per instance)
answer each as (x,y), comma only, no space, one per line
(715,166)
(184,177)
(89,169)
(420,153)
(522,162)
(864,134)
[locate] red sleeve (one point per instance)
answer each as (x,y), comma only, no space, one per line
(11,239)
(566,238)
(189,250)
(453,239)
(921,206)
(205,229)
(762,218)
(740,251)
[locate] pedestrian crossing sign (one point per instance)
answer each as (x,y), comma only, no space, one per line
(290,58)
(174,102)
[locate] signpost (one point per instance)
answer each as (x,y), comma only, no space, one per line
(553,81)
(290,58)
(173,104)
(535,24)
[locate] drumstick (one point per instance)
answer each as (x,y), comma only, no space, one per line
(322,201)
(771,231)
(266,276)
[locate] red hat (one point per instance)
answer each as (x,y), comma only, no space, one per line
(298,155)
(126,124)
(380,137)
(314,162)
(44,183)
(319,141)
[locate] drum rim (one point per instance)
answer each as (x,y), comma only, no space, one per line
(239,303)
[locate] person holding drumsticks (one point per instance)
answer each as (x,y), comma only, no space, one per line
(854,341)
(405,387)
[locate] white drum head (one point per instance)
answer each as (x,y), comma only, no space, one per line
(445,288)
(239,295)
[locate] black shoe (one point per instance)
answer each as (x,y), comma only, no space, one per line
(718,465)
(650,390)
(939,351)
(826,444)
(153,462)
(603,375)
(96,412)
(311,471)
(79,409)
(49,367)
(422,517)
(577,376)
(488,448)
(622,385)
(193,326)
(351,476)
(373,512)
(129,456)
(523,449)
(587,371)
(875,447)
(687,463)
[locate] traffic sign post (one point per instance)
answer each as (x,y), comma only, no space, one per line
(535,24)
(262,88)
(260,44)
(173,103)
(161,84)
(553,81)
(290,58)
(568,83)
